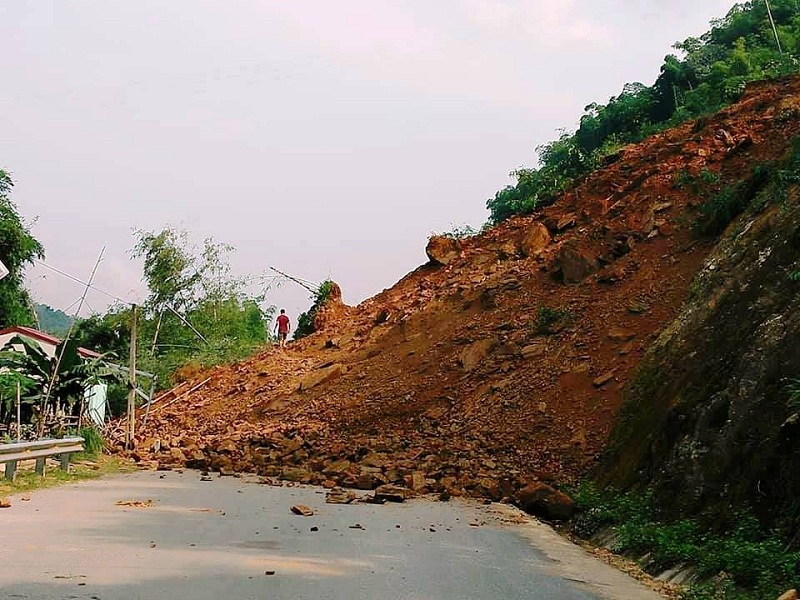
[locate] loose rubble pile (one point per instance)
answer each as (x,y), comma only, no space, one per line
(498,367)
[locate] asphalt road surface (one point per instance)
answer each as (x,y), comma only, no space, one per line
(235,539)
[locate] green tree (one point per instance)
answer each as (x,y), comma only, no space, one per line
(197,311)
(710,72)
(18,248)
(170,270)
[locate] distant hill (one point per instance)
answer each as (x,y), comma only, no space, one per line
(54,322)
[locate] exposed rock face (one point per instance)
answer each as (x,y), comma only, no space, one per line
(535,239)
(441,249)
(709,419)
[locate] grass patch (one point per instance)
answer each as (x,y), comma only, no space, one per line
(720,209)
(548,319)
(81,469)
(93,443)
(739,561)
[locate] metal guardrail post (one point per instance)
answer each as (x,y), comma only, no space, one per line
(11,470)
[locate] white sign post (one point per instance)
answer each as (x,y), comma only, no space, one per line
(3,270)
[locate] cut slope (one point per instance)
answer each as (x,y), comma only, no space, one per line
(507,363)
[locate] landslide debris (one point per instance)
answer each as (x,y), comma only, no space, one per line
(503,361)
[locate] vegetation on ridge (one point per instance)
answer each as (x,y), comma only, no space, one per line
(710,73)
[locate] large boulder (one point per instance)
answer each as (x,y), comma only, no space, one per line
(541,500)
(573,264)
(535,240)
(442,249)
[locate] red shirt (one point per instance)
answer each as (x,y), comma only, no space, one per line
(283,324)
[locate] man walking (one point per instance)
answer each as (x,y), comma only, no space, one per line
(282,326)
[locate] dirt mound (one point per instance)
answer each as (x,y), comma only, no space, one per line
(503,366)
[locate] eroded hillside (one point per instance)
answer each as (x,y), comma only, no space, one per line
(505,358)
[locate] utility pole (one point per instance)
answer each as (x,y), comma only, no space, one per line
(131,429)
(19,412)
(774,29)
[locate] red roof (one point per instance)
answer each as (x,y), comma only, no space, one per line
(46,338)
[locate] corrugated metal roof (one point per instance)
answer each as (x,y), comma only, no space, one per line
(47,338)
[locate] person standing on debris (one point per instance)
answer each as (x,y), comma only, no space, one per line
(282,327)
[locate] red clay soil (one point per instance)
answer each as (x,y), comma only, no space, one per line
(498,368)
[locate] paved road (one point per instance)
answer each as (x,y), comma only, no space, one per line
(219,539)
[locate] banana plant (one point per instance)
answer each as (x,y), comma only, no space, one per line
(67,384)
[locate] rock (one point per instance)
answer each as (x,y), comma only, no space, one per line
(534,350)
(337,467)
(603,379)
(417,481)
(442,250)
(321,376)
(638,307)
(509,249)
(646,221)
(558,223)
(5,502)
(339,496)
(366,481)
(566,221)
(392,493)
(374,459)
(178,456)
(541,500)
(790,595)
(618,334)
(227,445)
(611,274)
(296,474)
(473,355)
(573,264)
(302,510)
(661,206)
(535,240)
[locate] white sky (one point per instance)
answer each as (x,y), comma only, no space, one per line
(325,138)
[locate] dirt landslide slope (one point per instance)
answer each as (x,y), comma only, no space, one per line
(503,366)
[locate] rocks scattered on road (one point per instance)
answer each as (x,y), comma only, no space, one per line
(5,502)
(302,510)
(135,503)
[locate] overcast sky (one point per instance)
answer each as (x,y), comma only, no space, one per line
(324,138)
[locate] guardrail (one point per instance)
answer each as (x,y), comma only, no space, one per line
(11,454)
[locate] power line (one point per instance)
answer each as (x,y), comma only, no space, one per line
(76,280)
